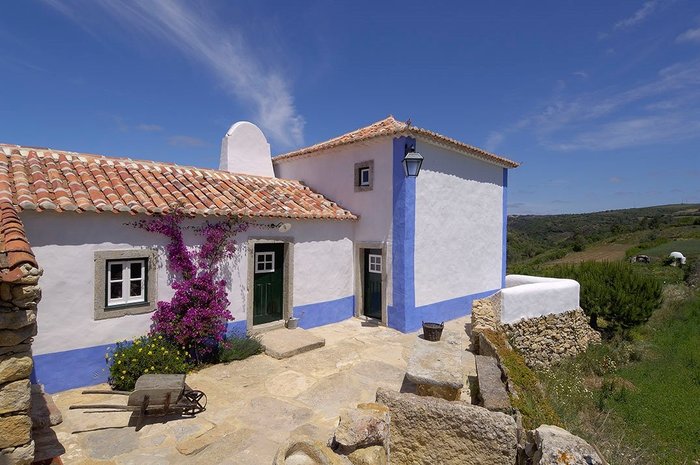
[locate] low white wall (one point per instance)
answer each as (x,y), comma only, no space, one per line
(532,296)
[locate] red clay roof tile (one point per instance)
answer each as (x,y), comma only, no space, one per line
(392,127)
(43,179)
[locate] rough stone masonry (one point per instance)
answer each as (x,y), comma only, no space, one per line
(19,296)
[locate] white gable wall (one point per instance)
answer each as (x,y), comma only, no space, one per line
(459,226)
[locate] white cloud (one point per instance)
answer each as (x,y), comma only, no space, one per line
(691,35)
(659,109)
(615,180)
(494,140)
(638,16)
(222,51)
(580,74)
(149,127)
(185,141)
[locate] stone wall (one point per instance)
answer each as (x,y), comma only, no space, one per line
(547,339)
(18,306)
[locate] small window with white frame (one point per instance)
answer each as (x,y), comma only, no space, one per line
(364,176)
(126,282)
(375,263)
(264,262)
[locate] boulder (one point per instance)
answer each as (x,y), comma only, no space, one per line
(491,389)
(368,425)
(375,455)
(307,452)
(436,368)
(428,430)
(556,445)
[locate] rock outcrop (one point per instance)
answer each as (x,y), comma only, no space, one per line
(428,430)
(555,446)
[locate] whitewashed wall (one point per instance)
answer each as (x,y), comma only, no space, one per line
(64,245)
(459,226)
(332,173)
(531,296)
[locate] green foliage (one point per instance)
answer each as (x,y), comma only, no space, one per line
(646,244)
(147,354)
(531,399)
(239,348)
(613,292)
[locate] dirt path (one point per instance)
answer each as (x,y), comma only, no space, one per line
(597,253)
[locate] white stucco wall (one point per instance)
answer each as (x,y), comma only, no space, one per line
(459,225)
(332,173)
(64,245)
(531,296)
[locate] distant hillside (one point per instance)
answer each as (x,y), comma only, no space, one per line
(552,236)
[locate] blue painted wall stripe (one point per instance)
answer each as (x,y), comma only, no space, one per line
(403,239)
(445,310)
(323,313)
(70,369)
(504,250)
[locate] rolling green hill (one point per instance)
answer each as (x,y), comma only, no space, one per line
(543,238)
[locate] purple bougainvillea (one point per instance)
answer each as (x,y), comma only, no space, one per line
(197,314)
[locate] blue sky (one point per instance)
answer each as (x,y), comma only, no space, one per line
(599,100)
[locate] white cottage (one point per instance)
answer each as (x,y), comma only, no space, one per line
(396,248)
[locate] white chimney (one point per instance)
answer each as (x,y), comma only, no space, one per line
(244,149)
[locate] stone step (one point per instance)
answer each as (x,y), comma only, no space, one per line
(492,391)
(285,343)
(43,411)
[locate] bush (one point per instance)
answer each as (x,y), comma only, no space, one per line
(239,348)
(614,292)
(147,354)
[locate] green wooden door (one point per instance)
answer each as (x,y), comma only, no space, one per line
(268,269)
(372,292)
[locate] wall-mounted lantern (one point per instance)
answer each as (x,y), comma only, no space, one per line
(412,161)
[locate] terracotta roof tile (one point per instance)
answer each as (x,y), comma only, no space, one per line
(44,179)
(392,127)
(14,246)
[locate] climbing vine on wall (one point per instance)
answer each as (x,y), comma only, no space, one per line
(197,314)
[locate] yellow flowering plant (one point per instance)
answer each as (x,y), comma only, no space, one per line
(127,361)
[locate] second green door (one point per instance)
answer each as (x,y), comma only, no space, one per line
(268,286)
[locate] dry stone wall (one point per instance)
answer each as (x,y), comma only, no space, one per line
(19,296)
(547,339)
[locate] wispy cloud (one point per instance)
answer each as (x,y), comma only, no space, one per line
(149,127)
(185,141)
(223,52)
(580,74)
(691,35)
(615,180)
(664,107)
(638,16)
(493,141)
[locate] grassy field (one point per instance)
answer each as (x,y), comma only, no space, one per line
(687,247)
(596,253)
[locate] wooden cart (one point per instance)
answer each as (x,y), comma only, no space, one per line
(161,394)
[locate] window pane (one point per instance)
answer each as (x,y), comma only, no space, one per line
(115,271)
(136,270)
(115,290)
(135,288)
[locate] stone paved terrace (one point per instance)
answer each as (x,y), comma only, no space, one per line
(253,406)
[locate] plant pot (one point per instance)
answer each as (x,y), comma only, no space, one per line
(432,331)
(293,323)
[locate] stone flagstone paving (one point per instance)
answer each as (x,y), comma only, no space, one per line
(253,406)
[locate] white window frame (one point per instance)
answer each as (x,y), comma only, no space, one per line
(267,259)
(375,263)
(126,280)
(364,175)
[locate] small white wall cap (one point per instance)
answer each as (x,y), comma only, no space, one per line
(245,150)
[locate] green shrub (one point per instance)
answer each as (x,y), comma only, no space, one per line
(239,348)
(613,292)
(129,360)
